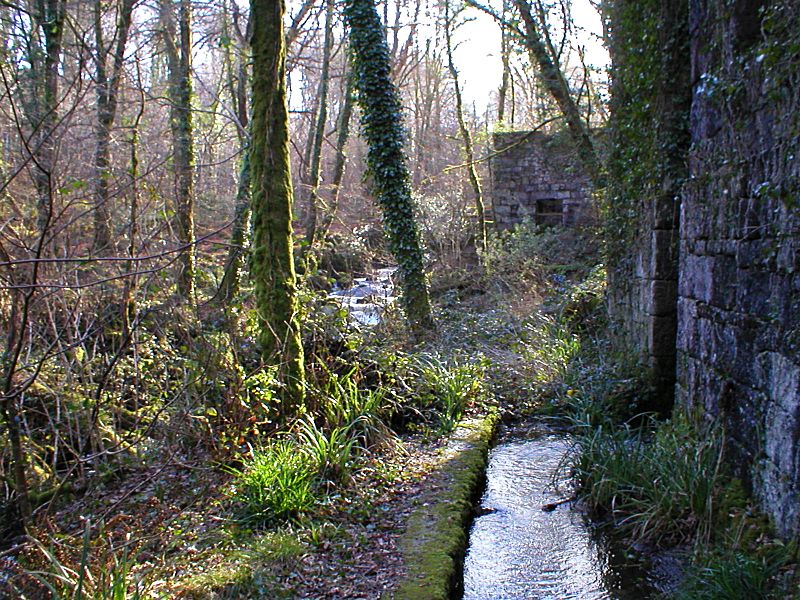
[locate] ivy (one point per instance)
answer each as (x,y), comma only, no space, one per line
(381,123)
(649,125)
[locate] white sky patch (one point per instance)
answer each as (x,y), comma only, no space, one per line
(477,55)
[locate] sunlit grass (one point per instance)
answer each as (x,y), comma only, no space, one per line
(275,484)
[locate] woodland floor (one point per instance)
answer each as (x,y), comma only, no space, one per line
(176,524)
(170,525)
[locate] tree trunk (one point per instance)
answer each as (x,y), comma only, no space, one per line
(131,279)
(107,89)
(319,135)
(45,61)
(179,51)
(466,136)
(240,233)
(505,57)
(340,158)
(381,122)
(272,262)
(558,88)
(234,264)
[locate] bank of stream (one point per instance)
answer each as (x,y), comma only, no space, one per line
(529,540)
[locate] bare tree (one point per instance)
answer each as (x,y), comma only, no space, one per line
(178,44)
(107,90)
(466,135)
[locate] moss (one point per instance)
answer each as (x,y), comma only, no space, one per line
(272,264)
(436,538)
(248,571)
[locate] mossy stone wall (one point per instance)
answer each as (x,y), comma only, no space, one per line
(739,296)
(725,159)
(651,93)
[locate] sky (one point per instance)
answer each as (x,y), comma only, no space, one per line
(478,54)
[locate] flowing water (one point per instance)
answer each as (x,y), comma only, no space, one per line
(520,551)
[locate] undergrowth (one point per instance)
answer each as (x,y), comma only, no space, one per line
(654,480)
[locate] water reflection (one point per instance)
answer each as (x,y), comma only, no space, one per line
(518,551)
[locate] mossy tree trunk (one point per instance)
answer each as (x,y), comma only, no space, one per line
(272,262)
(382,125)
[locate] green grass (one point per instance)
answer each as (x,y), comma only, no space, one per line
(285,478)
(734,575)
(275,484)
(362,412)
(657,480)
(330,452)
(446,388)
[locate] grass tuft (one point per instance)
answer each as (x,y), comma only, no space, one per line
(275,484)
(657,480)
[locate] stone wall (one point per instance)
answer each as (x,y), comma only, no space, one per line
(736,349)
(536,176)
(651,95)
(739,294)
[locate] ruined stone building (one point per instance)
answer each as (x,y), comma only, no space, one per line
(536,177)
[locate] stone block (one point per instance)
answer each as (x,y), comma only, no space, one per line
(724,279)
(695,280)
(664,255)
(663,297)
(661,333)
(752,291)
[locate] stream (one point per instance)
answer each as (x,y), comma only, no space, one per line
(367,298)
(519,551)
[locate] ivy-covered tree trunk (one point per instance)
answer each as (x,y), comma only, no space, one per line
(382,125)
(272,262)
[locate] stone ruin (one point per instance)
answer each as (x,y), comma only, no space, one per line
(537,177)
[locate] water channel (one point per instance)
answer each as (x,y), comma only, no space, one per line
(520,551)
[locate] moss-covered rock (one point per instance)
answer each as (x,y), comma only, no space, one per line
(436,537)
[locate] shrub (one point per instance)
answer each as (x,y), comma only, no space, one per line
(523,257)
